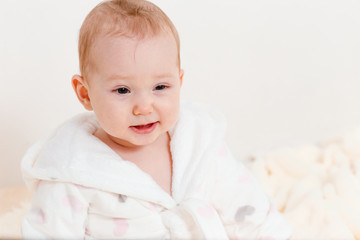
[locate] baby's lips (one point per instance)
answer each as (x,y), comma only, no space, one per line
(144,126)
(140,126)
(144,129)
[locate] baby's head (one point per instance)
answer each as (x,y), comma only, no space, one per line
(137,19)
(130,65)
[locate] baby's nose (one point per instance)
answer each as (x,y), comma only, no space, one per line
(143,107)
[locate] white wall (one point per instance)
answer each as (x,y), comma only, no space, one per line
(284,72)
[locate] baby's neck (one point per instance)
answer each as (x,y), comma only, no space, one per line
(154,159)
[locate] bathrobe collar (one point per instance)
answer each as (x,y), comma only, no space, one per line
(72,154)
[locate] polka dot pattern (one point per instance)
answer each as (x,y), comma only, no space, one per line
(206,212)
(40,217)
(223,152)
(243,212)
(70,201)
(121,227)
(244,178)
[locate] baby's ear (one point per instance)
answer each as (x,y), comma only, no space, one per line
(181,76)
(81,90)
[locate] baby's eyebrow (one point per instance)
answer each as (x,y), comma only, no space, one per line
(129,77)
(118,77)
(164,75)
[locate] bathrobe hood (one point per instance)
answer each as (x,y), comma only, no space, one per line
(72,154)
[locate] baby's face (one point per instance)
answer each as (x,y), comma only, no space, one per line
(135,88)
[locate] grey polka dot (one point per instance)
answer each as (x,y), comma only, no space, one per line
(244,211)
(122,198)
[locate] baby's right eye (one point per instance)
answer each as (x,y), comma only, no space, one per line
(123,90)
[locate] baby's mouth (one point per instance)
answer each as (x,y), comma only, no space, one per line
(143,126)
(144,129)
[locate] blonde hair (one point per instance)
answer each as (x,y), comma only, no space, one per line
(128,18)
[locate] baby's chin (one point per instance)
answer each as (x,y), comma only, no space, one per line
(138,141)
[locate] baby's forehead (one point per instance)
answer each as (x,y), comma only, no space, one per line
(124,43)
(105,43)
(156,54)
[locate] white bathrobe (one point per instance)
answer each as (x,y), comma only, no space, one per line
(83,189)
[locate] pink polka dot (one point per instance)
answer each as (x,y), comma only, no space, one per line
(244,178)
(206,212)
(73,202)
(121,227)
(272,208)
(152,207)
(267,238)
(40,217)
(223,151)
(238,238)
(87,230)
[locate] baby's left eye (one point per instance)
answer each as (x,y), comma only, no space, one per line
(160,87)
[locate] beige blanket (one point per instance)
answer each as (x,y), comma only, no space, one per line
(317,187)
(14,203)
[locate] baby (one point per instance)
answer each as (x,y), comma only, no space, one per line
(142,164)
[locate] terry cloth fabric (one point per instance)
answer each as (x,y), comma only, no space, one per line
(83,189)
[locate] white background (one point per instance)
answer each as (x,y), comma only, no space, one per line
(283,72)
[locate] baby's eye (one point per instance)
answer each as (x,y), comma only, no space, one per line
(160,87)
(123,90)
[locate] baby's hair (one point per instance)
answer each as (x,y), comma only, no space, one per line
(129,18)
